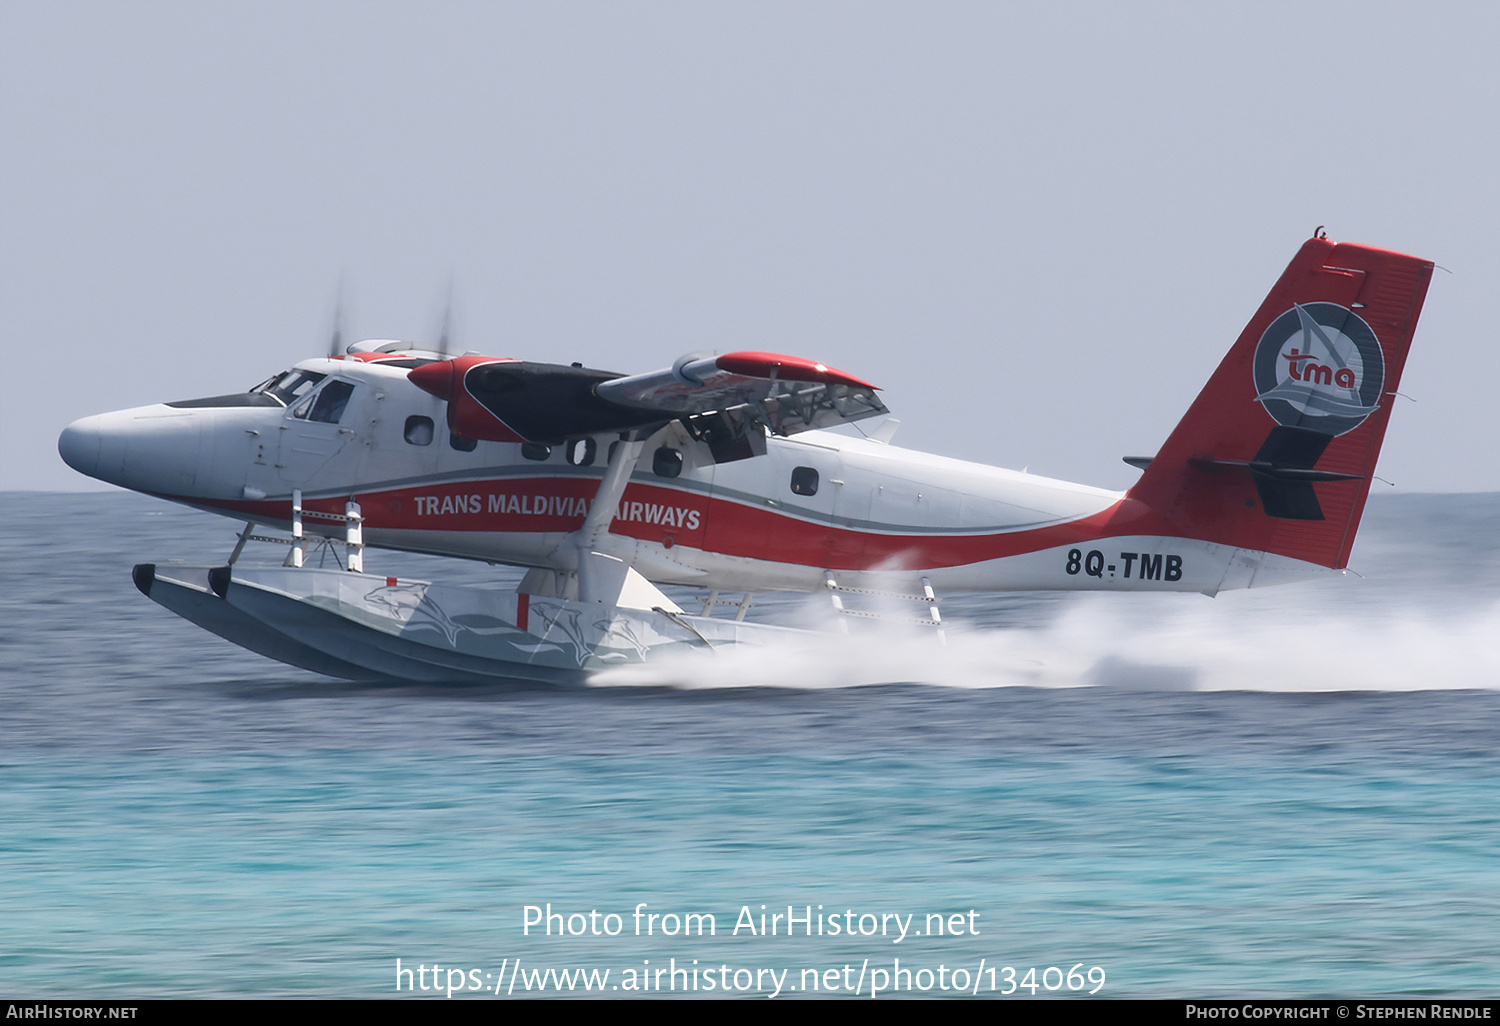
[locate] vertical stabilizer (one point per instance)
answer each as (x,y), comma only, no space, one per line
(1277,452)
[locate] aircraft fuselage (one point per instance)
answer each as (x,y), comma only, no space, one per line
(815,503)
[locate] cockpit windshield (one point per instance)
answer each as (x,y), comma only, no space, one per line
(289,386)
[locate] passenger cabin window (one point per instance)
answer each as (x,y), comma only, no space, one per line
(535,451)
(804,481)
(581,451)
(419,430)
(461,443)
(667,462)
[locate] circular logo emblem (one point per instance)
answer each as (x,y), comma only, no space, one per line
(1319,366)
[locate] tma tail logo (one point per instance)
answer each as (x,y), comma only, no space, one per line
(1319,366)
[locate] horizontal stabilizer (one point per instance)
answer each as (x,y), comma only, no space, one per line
(1283,472)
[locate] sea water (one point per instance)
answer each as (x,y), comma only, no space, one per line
(1282,792)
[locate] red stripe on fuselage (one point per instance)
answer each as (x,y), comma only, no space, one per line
(735,529)
(654,514)
(538,505)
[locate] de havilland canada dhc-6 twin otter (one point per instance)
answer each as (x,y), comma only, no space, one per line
(719,473)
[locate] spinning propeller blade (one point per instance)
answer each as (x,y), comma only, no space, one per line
(336,345)
(445,333)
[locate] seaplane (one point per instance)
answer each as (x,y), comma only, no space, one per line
(733,474)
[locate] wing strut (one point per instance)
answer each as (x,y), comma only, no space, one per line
(611,490)
(603,576)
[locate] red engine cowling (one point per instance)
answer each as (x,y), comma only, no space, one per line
(467,417)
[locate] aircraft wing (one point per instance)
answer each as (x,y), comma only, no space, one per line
(724,400)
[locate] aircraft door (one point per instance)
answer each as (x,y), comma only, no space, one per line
(314,430)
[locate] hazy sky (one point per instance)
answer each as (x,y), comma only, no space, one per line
(1038,226)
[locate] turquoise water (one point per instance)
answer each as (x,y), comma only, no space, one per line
(179,818)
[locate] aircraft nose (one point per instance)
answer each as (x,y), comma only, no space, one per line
(150,449)
(81,443)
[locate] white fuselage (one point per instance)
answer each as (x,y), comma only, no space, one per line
(815,507)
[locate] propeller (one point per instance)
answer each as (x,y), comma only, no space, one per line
(336,345)
(445,333)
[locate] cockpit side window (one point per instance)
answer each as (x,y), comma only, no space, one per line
(289,386)
(329,405)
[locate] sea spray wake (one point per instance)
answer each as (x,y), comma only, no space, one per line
(1422,613)
(1246,643)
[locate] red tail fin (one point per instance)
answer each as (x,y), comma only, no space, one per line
(1277,452)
